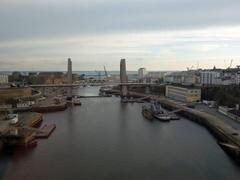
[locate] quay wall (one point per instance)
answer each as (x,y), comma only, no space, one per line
(222,131)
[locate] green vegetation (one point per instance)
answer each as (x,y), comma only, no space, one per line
(223,95)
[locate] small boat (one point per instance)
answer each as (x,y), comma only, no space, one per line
(147,113)
(13,119)
(124,100)
(162,117)
(76,101)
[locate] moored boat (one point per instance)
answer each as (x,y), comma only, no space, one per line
(147,113)
(156,111)
(162,117)
(76,101)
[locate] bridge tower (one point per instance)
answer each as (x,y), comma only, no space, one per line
(123,78)
(69,78)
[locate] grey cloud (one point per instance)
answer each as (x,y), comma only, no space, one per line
(52,19)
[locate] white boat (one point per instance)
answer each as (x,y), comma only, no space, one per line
(162,117)
(76,101)
(13,119)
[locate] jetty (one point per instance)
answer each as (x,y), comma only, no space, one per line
(45,131)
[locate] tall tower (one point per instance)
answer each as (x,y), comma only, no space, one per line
(69,78)
(123,77)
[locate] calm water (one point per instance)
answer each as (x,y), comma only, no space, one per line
(104,139)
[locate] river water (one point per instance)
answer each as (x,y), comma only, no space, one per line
(104,139)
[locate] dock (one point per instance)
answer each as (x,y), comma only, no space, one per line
(45,131)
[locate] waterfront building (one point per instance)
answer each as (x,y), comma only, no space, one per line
(183,93)
(3,79)
(142,72)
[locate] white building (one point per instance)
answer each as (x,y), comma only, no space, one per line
(210,77)
(183,77)
(3,79)
(142,72)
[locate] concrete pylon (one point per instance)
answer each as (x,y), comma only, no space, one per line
(123,78)
(69,78)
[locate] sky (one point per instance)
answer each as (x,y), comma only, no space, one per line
(156,34)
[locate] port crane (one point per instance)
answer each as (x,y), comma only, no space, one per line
(106,73)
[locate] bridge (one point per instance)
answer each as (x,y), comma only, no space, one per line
(81,84)
(123,82)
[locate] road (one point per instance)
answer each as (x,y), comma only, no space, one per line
(222,117)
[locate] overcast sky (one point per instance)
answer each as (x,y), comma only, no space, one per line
(156,34)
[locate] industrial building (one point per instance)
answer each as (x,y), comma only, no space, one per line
(183,93)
